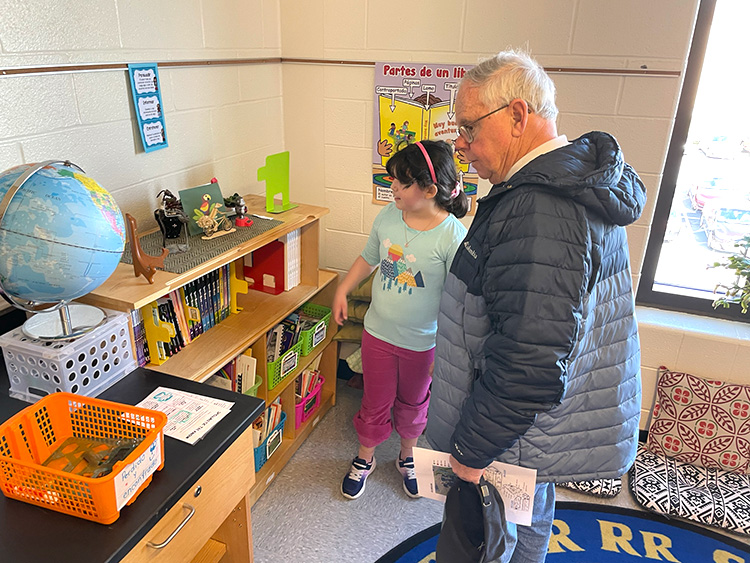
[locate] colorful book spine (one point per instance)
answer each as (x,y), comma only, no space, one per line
(179,305)
(139,334)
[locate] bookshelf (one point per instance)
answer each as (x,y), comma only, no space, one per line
(247,328)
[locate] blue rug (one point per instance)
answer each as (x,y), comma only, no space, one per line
(594,533)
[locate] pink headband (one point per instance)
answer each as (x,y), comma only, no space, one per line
(429,162)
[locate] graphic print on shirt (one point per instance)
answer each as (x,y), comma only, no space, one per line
(396,270)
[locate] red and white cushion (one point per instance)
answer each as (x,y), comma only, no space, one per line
(701,422)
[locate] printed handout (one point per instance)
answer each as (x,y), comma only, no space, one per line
(189,416)
(515,484)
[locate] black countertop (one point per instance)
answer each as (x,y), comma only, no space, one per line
(31,533)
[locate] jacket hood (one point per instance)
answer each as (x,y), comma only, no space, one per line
(591,170)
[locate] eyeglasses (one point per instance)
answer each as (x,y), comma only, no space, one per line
(467,131)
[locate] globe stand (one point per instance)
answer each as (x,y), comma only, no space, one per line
(68,322)
(58,320)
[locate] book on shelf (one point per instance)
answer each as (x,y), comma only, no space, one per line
(178,339)
(203,303)
(285,335)
(266,422)
(246,366)
(292,259)
(139,333)
(277,266)
(190,309)
(273,416)
(223,293)
(307,321)
(194,312)
(215,291)
(305,383)
(167,314)
(258,425)
(220,380)
(181,317)
(290,331)
(274,343)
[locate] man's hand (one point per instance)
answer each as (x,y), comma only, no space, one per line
(465,472)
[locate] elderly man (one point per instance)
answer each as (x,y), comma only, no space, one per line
(538,358)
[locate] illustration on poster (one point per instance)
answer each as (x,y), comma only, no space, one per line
(415,103)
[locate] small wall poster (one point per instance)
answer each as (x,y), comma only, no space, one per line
(415,101)
(144,82)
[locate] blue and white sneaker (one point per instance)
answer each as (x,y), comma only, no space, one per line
(406,468)
(354,483)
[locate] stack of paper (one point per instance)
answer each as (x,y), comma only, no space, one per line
(189,416)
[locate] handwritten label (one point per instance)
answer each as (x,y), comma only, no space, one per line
(132,477)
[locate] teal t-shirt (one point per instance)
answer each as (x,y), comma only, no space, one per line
(406,290)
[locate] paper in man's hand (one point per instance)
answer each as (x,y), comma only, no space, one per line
(515,484)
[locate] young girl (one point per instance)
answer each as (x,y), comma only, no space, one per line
(413,240)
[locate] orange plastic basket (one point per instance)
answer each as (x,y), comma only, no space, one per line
(30,437)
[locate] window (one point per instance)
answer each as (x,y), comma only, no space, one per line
(703,207)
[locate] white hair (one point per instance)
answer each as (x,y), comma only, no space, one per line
(514,74)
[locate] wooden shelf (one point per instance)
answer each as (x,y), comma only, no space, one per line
(304,362)
(213,349)
(258,313)
(123,291)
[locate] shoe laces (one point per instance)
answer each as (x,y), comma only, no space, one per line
(357,471)
(407,469)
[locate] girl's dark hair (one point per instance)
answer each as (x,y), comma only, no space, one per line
(409,165)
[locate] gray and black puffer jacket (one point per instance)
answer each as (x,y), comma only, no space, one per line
(538,359)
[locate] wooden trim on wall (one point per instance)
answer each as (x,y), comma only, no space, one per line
(90,67)
(93,67)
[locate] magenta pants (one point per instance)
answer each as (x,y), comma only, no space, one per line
(394,378)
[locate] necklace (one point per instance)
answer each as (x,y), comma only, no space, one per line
(406,232)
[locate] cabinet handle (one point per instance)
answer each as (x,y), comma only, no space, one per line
(173,534)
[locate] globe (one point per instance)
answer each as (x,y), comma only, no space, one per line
(61,234)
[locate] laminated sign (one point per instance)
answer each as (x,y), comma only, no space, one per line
(144,82)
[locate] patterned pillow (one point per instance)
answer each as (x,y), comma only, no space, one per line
(708,496)
(705,423)
(603,488)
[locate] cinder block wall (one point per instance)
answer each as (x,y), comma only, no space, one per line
(223,120)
